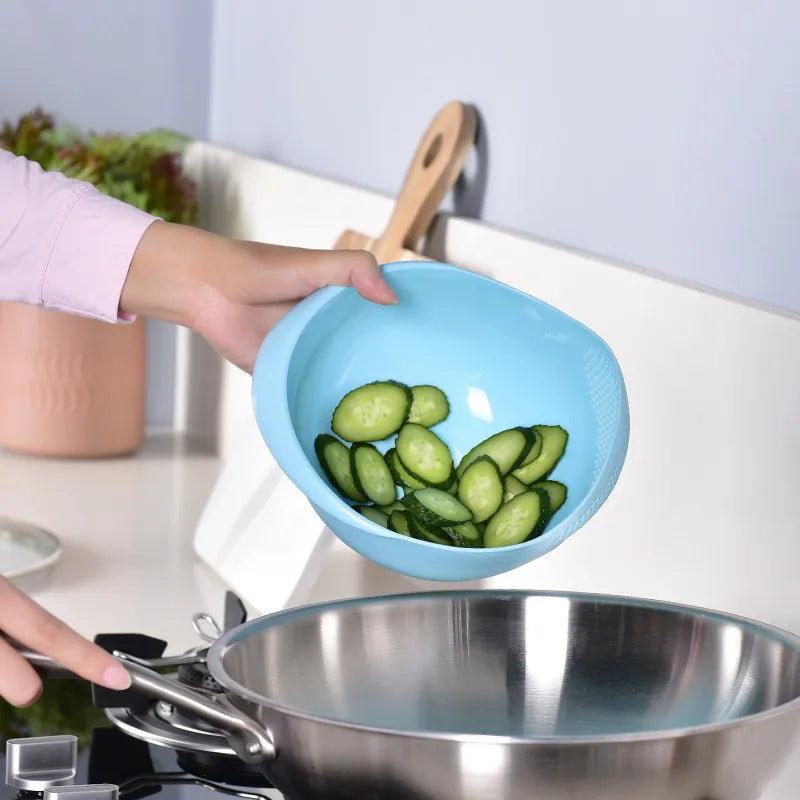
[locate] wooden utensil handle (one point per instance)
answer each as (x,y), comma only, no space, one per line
(433,170)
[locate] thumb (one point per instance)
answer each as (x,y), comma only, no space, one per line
(293,273)
(356,268)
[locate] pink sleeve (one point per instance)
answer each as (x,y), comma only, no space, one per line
(63,244)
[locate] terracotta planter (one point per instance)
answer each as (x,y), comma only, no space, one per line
(70,387)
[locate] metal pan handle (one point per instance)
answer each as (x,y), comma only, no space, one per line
(249,740)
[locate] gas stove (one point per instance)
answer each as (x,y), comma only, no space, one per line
(82,743)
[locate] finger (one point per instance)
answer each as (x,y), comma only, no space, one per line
(294,273)
(31,625)
(19,682)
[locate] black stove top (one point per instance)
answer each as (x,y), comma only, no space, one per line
(107,755)
(118,738)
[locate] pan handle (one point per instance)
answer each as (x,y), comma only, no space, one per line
(249,740)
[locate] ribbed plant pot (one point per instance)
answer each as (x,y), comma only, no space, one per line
(70,387)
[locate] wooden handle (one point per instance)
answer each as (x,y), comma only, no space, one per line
(433,170)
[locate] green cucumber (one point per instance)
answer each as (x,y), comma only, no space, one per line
(468,534)
(371,474)
(436,507)
(481,488)
(401,475)
(374,514)
(398,522)
(424,455)
(554,442)
(556,492)
(334,458)
(536,448)
(516,520)
(395,506)
(512,487)
(372,412)
(427,533)
(429,406)
(507,449)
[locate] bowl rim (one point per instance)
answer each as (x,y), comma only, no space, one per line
(277,350)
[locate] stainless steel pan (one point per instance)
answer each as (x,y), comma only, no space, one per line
(469,695)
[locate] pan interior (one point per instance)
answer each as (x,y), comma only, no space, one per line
(525,665)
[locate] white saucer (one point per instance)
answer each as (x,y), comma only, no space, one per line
(27,552)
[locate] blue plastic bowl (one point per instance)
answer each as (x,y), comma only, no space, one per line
(502,357)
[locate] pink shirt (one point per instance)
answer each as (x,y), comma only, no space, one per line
(63,244)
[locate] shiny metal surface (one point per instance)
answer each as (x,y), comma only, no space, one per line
(37,763)
(468,695)
(94,791)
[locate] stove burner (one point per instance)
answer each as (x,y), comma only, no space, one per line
(197,676)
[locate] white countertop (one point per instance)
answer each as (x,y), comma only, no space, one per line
(126,526)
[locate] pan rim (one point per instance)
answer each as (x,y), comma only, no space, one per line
(237,693)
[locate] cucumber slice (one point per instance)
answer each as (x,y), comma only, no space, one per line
(395,506)
(507,449)
(481,488)
(536,448)
(372,411)
(554,442)
(334,457)
(467,534)
(512,487)
(374,514)
(515,521)
(398,522)
(436,507)
(427,533)
(424,455)
(546,513)
(401,475)
(429,406)
(556,491)
(371,474)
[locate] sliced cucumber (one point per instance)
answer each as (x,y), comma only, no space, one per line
(428,533)
(372,412)
(481,488)
(536,448)
(371,474)
(395,506)
(429,406)
(554,442)
(374,514)
(398,522)
(545,515)
(467,534)
(436,507)
(512,487)
(556,492)
(424,455)
(515,521)
(334,457)
(507,449)
(402,477)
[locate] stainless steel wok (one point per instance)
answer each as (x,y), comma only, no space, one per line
(510,696)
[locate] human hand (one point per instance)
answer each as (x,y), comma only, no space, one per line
(29,624)
(232,292)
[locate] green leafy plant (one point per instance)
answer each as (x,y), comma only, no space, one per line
(65,706)
(143,170)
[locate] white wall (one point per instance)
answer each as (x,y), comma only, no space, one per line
(113,65)
(665,135)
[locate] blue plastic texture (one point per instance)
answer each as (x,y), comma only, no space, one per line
(502,357)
